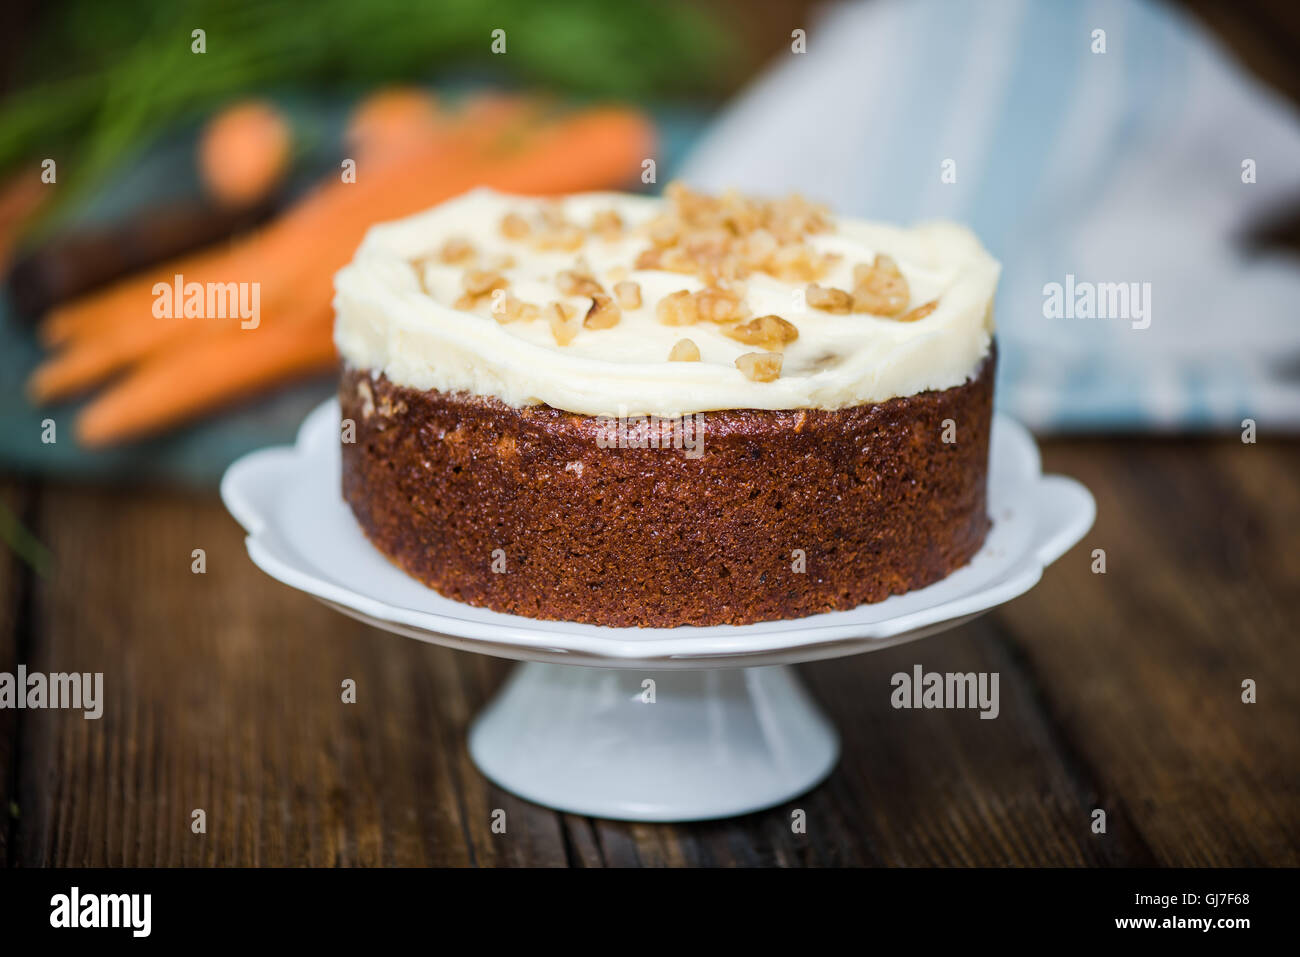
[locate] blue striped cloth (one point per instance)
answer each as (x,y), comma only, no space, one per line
(1122,166)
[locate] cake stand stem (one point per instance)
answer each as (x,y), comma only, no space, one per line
(653,745)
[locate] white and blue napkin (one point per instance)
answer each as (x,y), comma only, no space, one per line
(1076,167)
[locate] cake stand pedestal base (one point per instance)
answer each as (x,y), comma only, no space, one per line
(638,745)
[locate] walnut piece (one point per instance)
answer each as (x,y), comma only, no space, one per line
(799,262)
(455,251)
(829,299)
(514,226)
(507,308)
(880,288)
(648,259)
(603,314)
(607,224)
(577,282)
(628,293)
(684,350)
(676,309)
(760,366)
(481,282)
(920,312)
(567,237)
(663,232)
(730,236)
(719,304)
(771,332)
(563,320)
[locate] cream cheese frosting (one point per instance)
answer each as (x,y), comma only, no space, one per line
(396,315)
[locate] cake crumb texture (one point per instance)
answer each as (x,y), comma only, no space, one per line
(449,485)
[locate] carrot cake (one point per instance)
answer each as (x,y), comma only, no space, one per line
(694,410)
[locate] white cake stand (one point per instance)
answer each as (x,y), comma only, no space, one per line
(644,724)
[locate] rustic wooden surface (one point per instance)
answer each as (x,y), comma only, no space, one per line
(1119,691)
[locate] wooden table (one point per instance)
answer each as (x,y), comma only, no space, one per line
(1119,691)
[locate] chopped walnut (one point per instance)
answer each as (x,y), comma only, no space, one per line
(799,262)
(616,273)
(760,366)
(628,293)
(514,226)
(733,235)
(481,282)
(455,251)
(567,237)
(663,232)
(880,288)
(552,214)
(829,299)
(711,304)
(648,259)
(707,245)
(684,350)
(771,332)
(507,308)
(607,224)
(730,268)
(669,260)
(757,249)
(560,310)
(603,314)
(797,215)
(920,312)
(718,304)
(578,282)
(677,309)
(478,284)
(563,320)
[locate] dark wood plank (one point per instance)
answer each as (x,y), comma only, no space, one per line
(1117,691)
(1132,717)
(223,693)
(15,588)
(914,787)
(1143,666)
(945,787)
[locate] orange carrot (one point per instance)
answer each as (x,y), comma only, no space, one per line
(589,150)
(244,152)
(393,121)
(295,258)
(89,360)
(203,375)
(284,245)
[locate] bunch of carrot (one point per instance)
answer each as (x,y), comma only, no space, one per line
(163,371)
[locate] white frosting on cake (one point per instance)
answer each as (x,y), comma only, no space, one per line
(392,320)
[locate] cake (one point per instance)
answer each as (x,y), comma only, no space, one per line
(690,410)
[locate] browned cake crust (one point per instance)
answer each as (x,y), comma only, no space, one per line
(872,496)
